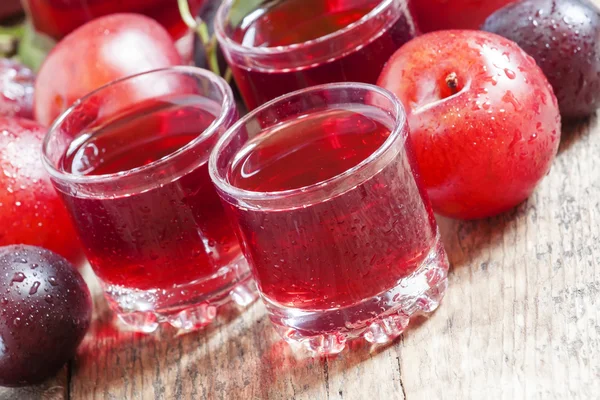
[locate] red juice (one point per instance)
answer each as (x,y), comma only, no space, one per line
(168,234)
(263,70)
(349,247)
(58,18)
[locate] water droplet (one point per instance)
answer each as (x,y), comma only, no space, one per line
(509,97)
(23,261)
(18,277)
(52,281)
(510,73)
(34,288)
(34,266)
(17,321)
(49,299)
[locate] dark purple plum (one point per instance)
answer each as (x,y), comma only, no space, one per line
(563,36)
(16,89)
(45,311)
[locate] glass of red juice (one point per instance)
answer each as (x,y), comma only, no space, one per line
(130,163)
(327,201)
(280,46)
(57,18)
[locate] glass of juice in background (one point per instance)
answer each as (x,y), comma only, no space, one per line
(323,189)
(58,18)
(284,45)
(130,162)
(8,8)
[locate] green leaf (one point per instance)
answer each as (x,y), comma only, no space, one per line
(34,47)
(240,10)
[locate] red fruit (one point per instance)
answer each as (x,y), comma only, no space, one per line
(484,120)
(46,309)
(30,210)
(434,15)
(16,89)
(564,39)
(97,53)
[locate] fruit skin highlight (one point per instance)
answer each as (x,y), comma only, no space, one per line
(484,120)
(97,53)
(16,89)
(564,39)
(45,309)
(30,209)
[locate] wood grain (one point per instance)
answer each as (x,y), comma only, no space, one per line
(520,320)
(56,388)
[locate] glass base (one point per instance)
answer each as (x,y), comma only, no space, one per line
(380,319)
(185,307)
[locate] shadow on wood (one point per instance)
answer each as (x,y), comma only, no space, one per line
(575,130)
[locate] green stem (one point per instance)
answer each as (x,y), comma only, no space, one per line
(10,36)
(16,31)
(201,29)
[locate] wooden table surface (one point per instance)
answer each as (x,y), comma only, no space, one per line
(520,320)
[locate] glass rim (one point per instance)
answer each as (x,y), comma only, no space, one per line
(253,50)
(224,185)
(228,105)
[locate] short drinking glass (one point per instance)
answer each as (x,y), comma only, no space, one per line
(324,192)
(276,47)
(130,163)
(58,18)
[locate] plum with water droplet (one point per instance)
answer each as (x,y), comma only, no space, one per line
(16,89)
(484,121)
(105,49)
(30,210)
(45,311)
(564,39)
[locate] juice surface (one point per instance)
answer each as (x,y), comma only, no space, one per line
(310,151)
(286,22)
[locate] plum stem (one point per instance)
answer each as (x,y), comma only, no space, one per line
(452,82)
(9,39)
(208,43)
